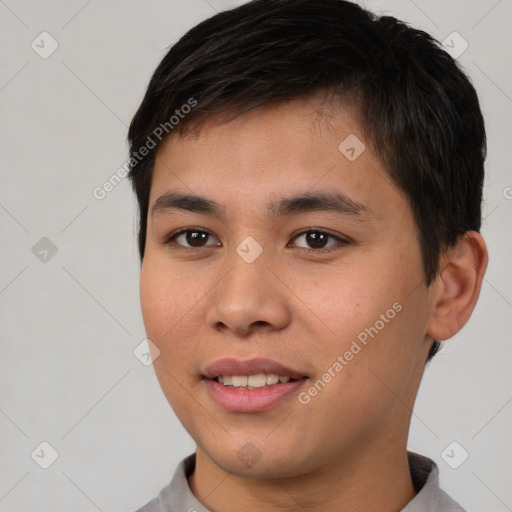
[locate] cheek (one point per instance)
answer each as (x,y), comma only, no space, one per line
(165,300)
(374,313)
(153,298)
(371,378)
(342,302)
(173,303)
(167,307)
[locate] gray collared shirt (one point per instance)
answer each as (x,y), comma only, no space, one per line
(177,496)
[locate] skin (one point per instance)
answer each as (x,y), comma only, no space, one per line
(345,449)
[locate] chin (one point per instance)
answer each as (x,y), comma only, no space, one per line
(258,461)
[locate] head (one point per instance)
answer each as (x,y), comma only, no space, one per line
(281,98)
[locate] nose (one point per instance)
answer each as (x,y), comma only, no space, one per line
(249,297)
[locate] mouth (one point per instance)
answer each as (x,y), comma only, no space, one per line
(256,372)
(254,385)
(256,381)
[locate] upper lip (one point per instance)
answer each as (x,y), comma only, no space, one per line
(231,366)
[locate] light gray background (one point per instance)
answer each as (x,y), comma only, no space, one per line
(69,325)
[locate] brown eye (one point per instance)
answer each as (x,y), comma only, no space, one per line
(190,238)
(317,239)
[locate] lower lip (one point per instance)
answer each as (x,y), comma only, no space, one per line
(251,400)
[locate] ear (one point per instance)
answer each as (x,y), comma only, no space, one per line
(457,286)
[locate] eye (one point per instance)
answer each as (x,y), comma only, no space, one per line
(191,236)
(319,240)
(316,239)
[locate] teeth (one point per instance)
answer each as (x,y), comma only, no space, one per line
(259,380)
(238,381)
(272,378)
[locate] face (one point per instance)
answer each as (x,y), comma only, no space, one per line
(330,287)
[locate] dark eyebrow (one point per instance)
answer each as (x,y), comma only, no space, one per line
(298,203)
(188,202)
(318,201)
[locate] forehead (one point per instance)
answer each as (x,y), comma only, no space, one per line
(274,151)
(309,121)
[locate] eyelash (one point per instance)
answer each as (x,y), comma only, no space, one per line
(170,239)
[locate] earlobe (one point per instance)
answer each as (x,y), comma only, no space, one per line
(457,286)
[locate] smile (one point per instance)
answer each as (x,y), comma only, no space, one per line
(256,381)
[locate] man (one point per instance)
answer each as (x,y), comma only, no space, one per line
(309,178)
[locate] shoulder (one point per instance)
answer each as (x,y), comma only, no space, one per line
(447,504)
(177,496)
(430,497)
(152,506)
(162,503)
